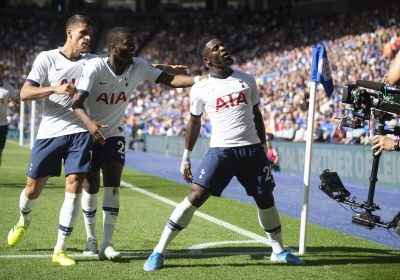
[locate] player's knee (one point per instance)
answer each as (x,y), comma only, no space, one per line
(198,195)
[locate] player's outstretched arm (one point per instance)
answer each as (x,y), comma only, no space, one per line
(92,125)
(173,69)
(31,91)
(177,81)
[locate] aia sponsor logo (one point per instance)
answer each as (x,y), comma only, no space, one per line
(65,81)
(230,101)
(112,98)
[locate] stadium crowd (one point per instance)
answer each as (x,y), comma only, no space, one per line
(274,46)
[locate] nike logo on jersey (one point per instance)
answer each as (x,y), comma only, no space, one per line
(102,83)
(58,69)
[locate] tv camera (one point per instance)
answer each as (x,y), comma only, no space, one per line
(380,105)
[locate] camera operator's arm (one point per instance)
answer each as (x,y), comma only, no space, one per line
(380,143)
(393,75)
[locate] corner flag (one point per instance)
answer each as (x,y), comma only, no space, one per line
(320,71)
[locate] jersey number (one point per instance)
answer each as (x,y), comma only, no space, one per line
(267,169)
(122,149)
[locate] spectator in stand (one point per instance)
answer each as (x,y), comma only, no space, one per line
(273,156)
(370,133)
(288,132)
(338,136)
(318,133)
(391,125)
(300,135)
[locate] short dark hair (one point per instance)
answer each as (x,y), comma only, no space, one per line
(201,46)
(76,19)
(113,35)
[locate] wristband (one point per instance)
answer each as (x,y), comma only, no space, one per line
(186,154)
(196,79)
(396,145)
(185,159)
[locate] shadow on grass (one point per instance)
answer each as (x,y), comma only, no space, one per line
(315,256)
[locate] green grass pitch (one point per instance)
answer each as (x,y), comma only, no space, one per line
(224,241)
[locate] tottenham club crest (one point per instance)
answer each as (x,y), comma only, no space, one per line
(324,70)
(83,75)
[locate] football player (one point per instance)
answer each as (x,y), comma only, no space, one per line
(237,148)
(106,85)
(61,135)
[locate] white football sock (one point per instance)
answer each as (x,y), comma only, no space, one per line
(179,220)
(68,216)
(110,213)
(26,206)
(89,209)
(271,223)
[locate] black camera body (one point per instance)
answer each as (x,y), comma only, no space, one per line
(380,105)
(386,100)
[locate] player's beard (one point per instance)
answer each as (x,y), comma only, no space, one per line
(224,63)
(125,59)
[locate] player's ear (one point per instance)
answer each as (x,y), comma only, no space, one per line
(69,33)
(206,60)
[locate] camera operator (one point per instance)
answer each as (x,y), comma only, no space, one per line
(393,76)
(380,142)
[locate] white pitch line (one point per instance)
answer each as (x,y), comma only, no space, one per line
(219,222)
(193,252)
(17,143)
(217,243)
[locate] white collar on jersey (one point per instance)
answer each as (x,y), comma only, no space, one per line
(222,77)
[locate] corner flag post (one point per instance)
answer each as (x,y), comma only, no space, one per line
(320,73)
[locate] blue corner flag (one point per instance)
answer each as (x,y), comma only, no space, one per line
(320,71)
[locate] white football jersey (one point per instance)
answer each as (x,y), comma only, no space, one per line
(53,68)
(109,92)
(229,104)
(6,91)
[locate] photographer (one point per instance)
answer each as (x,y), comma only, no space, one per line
(380,142)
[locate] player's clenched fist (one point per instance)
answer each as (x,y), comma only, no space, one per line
(69,89)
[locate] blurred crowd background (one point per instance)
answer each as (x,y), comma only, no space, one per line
(275,46)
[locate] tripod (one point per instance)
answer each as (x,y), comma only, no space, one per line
(334,188)
(367,219)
